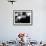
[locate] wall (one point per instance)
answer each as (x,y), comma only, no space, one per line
(37,31)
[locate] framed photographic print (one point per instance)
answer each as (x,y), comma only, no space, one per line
(22,17)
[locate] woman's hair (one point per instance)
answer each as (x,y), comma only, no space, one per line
(23,13)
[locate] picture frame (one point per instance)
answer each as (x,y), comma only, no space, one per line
(22,17)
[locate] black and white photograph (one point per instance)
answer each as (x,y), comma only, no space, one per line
(22,16)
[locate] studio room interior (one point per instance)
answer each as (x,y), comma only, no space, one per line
(22,22)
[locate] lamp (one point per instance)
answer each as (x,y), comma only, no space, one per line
(12,1)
